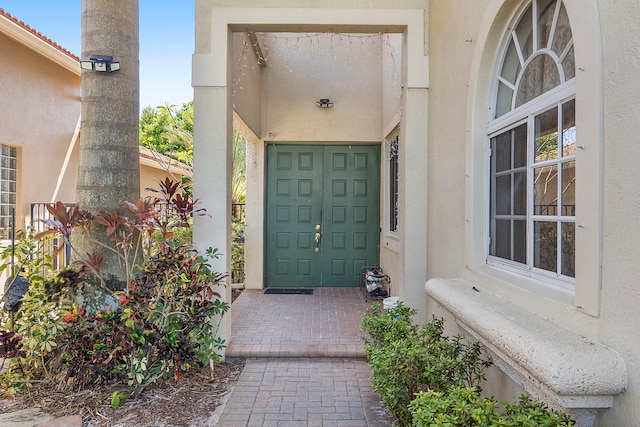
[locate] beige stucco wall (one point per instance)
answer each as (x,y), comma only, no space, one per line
(606,313)
(302,69)
(40,106)
(619,322)
(443,161)
(246,86)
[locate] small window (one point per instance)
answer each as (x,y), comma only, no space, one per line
(8,176)
(394,182)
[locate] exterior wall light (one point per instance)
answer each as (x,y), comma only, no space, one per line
(102,63)
(324,103)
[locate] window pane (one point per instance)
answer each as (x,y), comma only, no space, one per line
(545,190)
(504,99)
(520,193)
(569,128)
(569,65)
(562,35)
(545,246)
(393,182)
(520,146)
(520,241)
(540,76)
(569,249)
(503,195)
(502,241)
(502,149)
(524,32)
(546,136)
(546,10)
(511,65)
(569,189)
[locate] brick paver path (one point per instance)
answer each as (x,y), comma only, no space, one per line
(304,392)
(305,362)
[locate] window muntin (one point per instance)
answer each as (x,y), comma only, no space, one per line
(532,211)
(538,56)
(532,141)
(8,188)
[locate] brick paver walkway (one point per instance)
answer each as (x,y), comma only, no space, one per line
(305,362)
(325,324)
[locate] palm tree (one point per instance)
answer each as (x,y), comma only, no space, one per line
(109,170)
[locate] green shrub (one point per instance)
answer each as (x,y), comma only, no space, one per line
(169,312)
(165,326)
(406,359)
(37,319)
(463,407)
(237,250)
(427,379)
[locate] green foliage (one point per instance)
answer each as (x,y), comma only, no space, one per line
(427,379)
(117,397)
(168,130)
(406,359)
(464,406)
(167,319)
(237,249)
(38,320)
(163,129)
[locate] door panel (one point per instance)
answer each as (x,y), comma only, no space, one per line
(350,212)
(333,188)
(294,204)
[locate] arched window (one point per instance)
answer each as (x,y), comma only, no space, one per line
(532,138)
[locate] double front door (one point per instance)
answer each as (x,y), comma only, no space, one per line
(322,214)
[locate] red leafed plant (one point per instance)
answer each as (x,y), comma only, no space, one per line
(168,316)
(10,345)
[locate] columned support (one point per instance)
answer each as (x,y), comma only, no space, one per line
(413,197)
(212,182)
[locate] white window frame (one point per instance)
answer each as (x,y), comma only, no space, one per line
(589,164)
(11,158)
(526,115)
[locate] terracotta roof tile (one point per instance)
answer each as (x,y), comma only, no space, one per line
(37,34)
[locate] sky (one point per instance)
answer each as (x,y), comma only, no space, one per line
(166,36)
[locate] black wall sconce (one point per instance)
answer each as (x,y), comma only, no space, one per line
(324,103)
(102,63)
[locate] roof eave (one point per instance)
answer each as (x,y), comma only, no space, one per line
(32,41)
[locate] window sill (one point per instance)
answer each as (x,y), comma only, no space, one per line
(550,361)
(491,273)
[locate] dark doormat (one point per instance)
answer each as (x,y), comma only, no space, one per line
(289,291)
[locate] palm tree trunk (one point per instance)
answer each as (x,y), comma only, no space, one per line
(109,170)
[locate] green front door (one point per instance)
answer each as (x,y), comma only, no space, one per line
(322,213)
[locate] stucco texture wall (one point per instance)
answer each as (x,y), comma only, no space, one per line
(303,68)
(619,321)
(451,49)
(40,106)
(450,54)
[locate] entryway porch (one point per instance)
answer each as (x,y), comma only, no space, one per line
(324,324)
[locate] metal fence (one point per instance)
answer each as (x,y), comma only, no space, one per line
(55,245)
(62,251)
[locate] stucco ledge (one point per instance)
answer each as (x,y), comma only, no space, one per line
(548,360)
